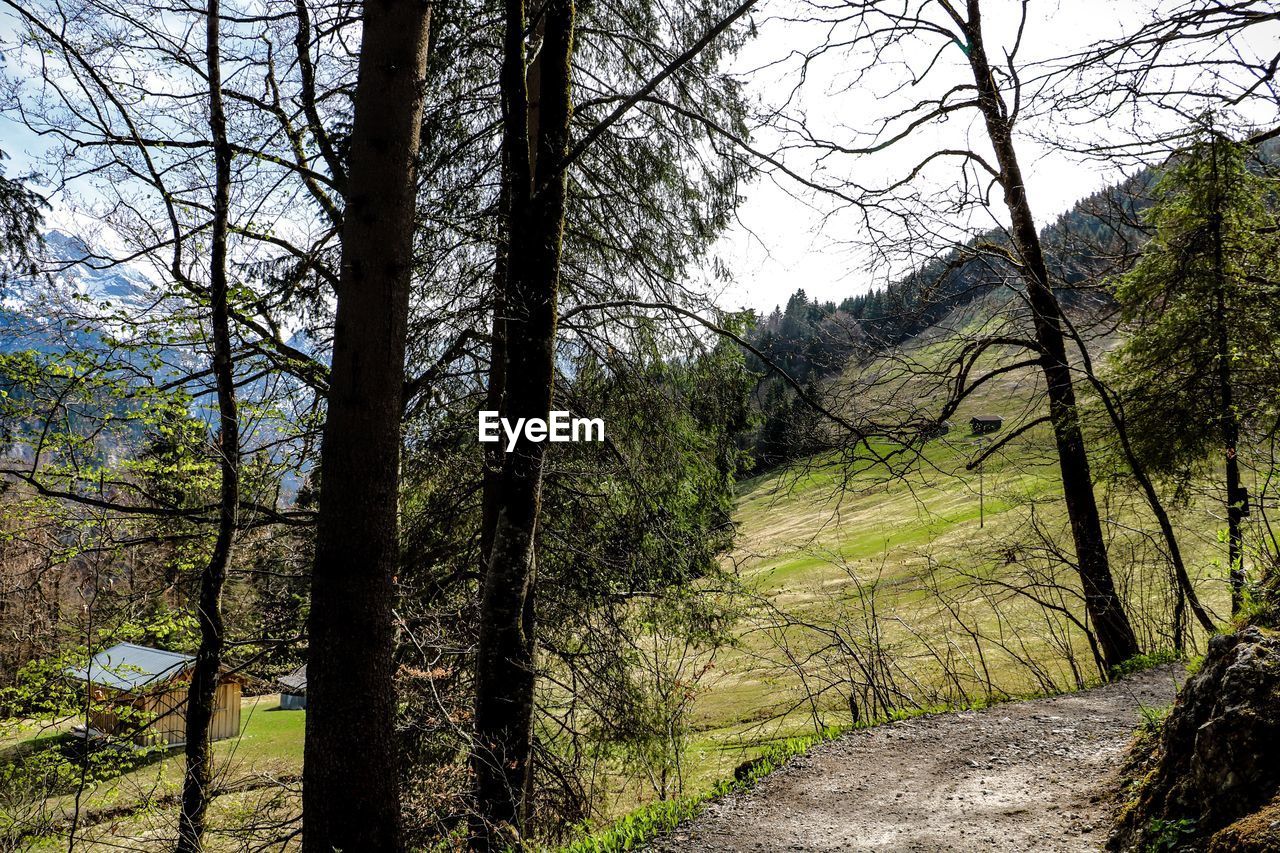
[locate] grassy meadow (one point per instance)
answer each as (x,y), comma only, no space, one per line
(135,809)
(917,574)
(903,588)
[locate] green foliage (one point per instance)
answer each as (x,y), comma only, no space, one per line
(641,826)
(1208,274)
(1169,835)
(632,600)
(633,596)
(1139,663)
(21,212)
(1153,717)
(166,628)
(41,688)
(58,764)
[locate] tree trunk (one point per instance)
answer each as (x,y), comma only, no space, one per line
(350,773)
(1106,612)
(1230,423)
(505,676)
(495,392)
(1186,590)
(202,693)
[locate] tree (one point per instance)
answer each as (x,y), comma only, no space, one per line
(350,781)
(201,696)
(20,217)
(1147,89)
(536,157)
(1115,635)
(1201,363)
(535,194)
(906,223)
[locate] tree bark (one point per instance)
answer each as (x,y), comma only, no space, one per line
(505,676)
(1110,622)
(202,693)
(1230,423)
(495,392)
(350,773)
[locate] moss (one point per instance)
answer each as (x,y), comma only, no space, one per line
(1255,833)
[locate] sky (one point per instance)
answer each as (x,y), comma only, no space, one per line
(786,237)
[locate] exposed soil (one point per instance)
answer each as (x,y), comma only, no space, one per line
(1022,776)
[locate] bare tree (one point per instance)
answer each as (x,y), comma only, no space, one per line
(198,781)
(930,40)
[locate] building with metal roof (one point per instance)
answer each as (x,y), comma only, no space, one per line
(140,693)
(293,690)
(130,667)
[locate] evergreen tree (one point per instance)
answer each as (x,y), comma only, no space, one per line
(1201,365)
(20,217)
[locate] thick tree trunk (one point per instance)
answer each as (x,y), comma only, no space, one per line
(505,676)
(1110,622)
(202,693)
(350,774)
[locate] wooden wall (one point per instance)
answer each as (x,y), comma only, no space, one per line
(168,708)
(226,713)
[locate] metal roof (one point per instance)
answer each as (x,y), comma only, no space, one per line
(129,667)
(295,683)
(988,418)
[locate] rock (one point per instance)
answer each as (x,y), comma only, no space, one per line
(1217,758)
(1255,833)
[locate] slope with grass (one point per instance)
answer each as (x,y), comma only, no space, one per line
(882,591)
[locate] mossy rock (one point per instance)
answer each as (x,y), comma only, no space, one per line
(1258,832)
(1217,760)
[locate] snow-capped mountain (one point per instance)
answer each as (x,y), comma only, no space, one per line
(72,263)
(76,288)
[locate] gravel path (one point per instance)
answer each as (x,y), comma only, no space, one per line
(1024,776)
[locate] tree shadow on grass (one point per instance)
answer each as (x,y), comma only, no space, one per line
(59,762)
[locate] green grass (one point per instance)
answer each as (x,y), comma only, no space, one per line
(269,746)
(812,540)
(809,535)
(655,818)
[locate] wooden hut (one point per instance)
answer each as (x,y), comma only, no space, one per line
(140,693)
(983,424)
(293,690)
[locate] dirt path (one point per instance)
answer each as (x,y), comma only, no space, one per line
(1025,776)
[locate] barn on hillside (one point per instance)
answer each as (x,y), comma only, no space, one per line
(983,424)
(140,693)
